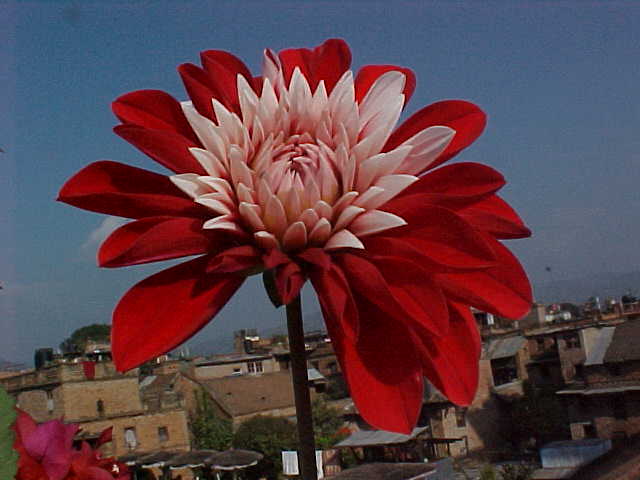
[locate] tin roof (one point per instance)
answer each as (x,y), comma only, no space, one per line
(623,346)
(595,356)
(504,347)
(363,438)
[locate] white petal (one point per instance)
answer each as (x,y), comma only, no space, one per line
(224,222)
(309,217)
(323,209)
(377,131)
(275,217)
(380,165)
(244,193)
(368,199)
(229,122)
(392,185)
(344,201)
(219,185)
(209,162)
(295,236)
(251,213)
(215,201)
(320,233)
(248,101)
(266,240)
(384,90)
(205,130)
(343,239)
(347,216)
(240,172)
(189,183)
(375,221)
(426,145)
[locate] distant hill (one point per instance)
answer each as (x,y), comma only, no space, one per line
(578,290)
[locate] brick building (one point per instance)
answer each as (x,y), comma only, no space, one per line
(604,397)
(94,395)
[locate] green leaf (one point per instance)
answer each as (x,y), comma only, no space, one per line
(8,456)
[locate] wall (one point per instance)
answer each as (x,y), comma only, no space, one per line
(146,428)
(269,365)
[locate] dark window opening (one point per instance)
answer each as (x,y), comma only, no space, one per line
(100,408)
(163,434)
(461,417)
(572,340)
(504,370)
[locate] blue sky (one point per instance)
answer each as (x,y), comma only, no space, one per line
(559,81)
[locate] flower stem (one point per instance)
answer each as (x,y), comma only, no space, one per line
(306,439)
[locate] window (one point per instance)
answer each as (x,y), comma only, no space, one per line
(130,438)
(504,370)
(572,340)
(163,434)
(255,367)
(619,408)
(50,404)
(100,407)
(461,417)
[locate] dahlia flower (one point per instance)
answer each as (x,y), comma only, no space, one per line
(302,172)
(46,452)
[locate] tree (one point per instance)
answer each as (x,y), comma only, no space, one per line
(209,430)
(269,436)
(98,332)
(327,422)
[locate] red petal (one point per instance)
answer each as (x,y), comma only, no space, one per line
(317,257)
(164,310)
(223,69)
(236,259)
(368,74)
(465,118)
(329,62)
(155,110)
(197,83)
(383,370)
(289,281)
(464,182)
(169,149)
(336,299)
(105,437)
(451,362)
(445,238)
(326,62)
(366,280)
(118,189)
(154,239)
(503,289)
(496,217)
(417,292)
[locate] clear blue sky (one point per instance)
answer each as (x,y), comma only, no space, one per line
(559,81)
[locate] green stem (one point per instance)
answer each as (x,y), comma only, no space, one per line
(306,440)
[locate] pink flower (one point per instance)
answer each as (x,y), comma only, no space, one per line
(303,171)
(46,452)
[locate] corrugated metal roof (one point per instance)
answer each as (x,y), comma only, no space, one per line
(595,356)
(553,473)
(314,374)
(363,438)
(623,347)
(599,391)
(504,347)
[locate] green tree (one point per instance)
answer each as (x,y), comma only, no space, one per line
(269,436)
(208,429)
(99,332)
(327,422)
(488,473)
(8,456)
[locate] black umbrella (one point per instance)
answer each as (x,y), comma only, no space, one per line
(157,459)
(233,459)
(192,459)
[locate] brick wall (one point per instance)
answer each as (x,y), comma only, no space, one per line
(120,396)
(146,431)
